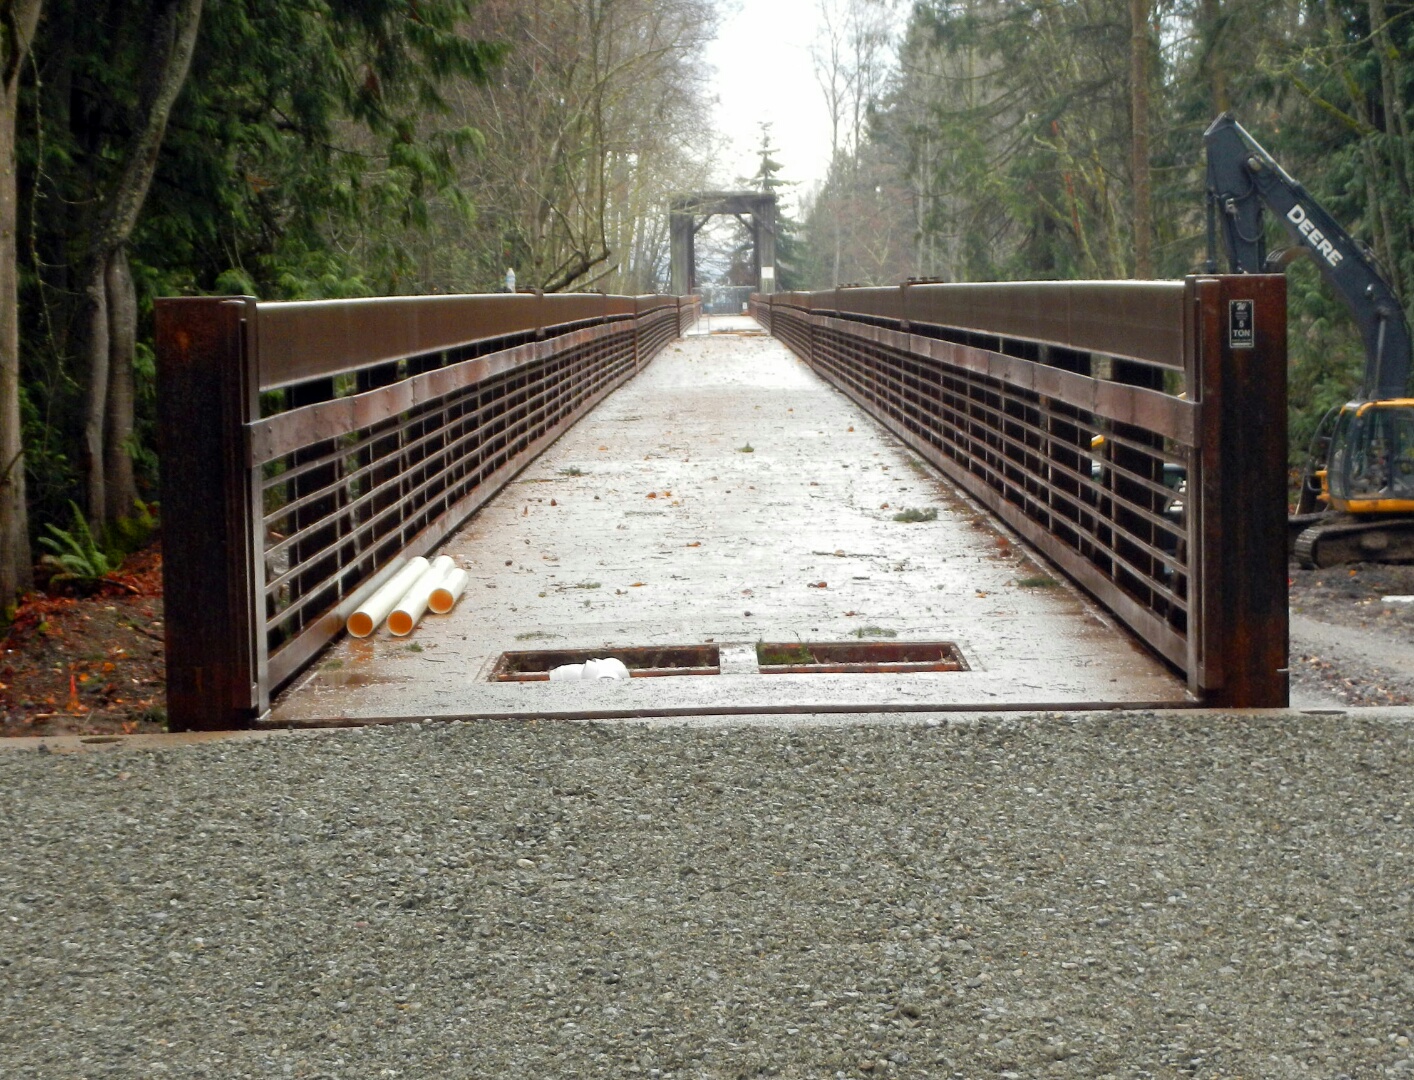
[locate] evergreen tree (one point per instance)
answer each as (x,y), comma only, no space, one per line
(767,179)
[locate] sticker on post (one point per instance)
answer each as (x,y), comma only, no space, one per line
(1241,331)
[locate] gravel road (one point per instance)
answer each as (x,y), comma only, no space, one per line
(1352,635)
(1126,895)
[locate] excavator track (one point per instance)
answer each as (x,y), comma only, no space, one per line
(1345,539)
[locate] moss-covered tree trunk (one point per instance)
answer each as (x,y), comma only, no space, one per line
(18,20)
(110,322)
(1139,103)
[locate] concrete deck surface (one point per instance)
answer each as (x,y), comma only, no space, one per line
(727,495)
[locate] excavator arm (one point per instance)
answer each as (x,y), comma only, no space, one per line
(1243,180)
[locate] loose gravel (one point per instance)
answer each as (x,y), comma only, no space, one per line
(1127,895)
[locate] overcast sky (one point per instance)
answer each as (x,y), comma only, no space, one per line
(764,72)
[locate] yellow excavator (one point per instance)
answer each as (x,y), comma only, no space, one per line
(1357,490)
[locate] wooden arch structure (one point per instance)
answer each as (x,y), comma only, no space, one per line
(689,213)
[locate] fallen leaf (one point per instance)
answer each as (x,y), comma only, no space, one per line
(525,512)
(554,503)
(883,506)
(695,543)
(603,448)
(636,585)
(851,427)
(652,494)
(849,613)
(981,593)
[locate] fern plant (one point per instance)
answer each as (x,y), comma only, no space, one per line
(76,556)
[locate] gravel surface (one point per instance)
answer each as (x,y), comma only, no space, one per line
(1352,643)
(1118,895)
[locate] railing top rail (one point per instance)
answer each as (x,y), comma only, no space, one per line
(1139,320)
(302,340)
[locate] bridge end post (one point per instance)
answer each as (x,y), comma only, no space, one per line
(206,394)
(1239,358)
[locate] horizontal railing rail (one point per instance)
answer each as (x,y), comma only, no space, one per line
(310,449)
(1133,432)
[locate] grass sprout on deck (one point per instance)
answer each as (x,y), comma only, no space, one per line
(913,514)
(782,655)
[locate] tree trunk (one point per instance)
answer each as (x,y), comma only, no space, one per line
(110,337)
(95,360)
(1139,98)
(1395,143)
(1213,34)
(121,487)
(17,26)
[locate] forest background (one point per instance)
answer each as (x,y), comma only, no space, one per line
(299,149)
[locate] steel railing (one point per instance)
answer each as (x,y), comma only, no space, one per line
(1129,430)
(310,449)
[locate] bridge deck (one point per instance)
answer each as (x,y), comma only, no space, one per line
(652,524)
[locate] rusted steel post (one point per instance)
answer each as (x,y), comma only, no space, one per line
(206,394)
(1240,360)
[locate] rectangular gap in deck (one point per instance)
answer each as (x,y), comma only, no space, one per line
(536,665)
(876,657)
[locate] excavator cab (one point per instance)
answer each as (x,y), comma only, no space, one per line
(1371,464)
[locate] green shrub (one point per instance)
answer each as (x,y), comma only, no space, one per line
(132,532)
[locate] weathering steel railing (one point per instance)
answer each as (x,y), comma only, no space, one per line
(310,449)
(1134,432)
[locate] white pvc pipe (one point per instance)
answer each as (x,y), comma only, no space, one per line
(375,609)
(445,596)
(413,605)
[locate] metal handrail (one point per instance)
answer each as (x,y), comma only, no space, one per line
(310,449)
(1003,385)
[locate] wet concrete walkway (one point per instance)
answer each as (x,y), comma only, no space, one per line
(728,496)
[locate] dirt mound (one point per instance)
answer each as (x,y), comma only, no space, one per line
(74,664)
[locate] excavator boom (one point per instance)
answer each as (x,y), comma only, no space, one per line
(1362,461)
(1243,180)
